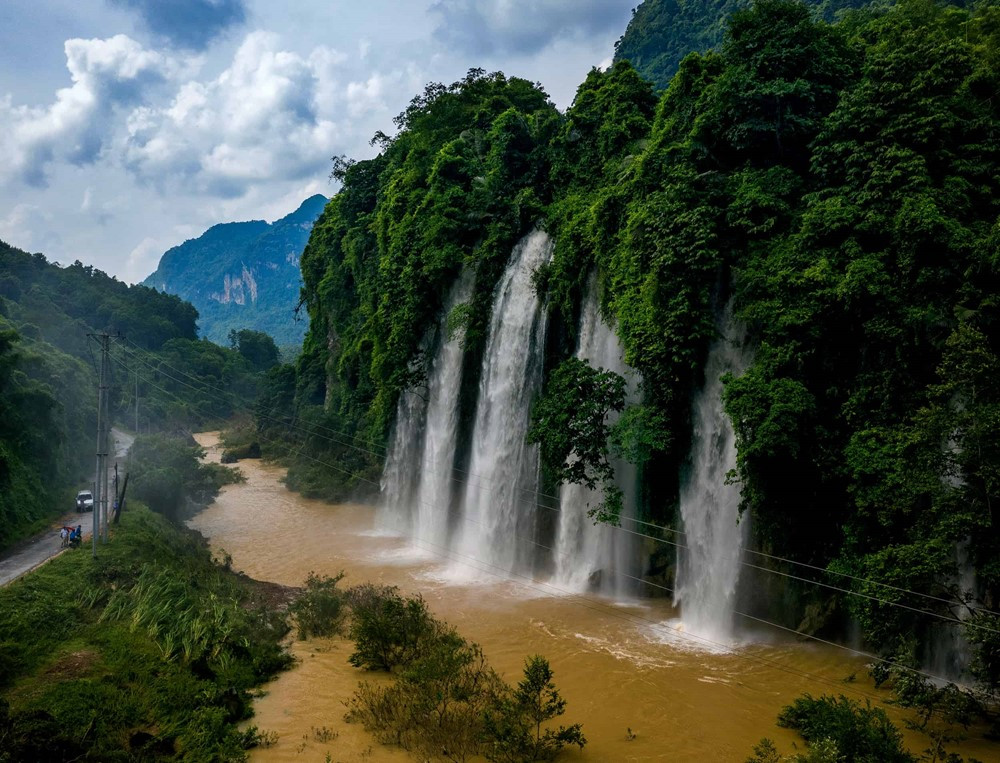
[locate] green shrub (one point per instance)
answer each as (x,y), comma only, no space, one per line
(514,727)
(165,643)
(232,455)
(861,733)
(388,630)
(319,609)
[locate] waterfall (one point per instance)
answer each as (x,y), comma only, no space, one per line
(400,474)
(433,496)
(498,506)
(709,566)
(588,556)
(948,650)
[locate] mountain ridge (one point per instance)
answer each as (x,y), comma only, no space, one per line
(243,274)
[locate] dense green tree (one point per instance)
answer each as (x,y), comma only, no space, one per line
(515,728)
(257,347)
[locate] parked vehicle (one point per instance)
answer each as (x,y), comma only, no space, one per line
(84,501)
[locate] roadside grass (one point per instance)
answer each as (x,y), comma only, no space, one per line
(149,651)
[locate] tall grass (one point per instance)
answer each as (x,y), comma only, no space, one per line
(149,652)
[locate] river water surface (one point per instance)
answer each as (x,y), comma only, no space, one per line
(620,667)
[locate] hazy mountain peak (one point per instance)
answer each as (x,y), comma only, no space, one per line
(243,274)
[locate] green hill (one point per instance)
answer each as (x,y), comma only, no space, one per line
(243,275)
(662,32)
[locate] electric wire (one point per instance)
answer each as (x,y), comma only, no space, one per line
(569,595)
(661,528)
(945,618)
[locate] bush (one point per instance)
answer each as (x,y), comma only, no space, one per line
(448,703)
(167,644)
(388,630)
(438,706)
(168,475)
(232,455)
(860,734)
(319,609)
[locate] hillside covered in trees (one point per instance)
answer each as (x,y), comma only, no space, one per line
(662,32)
(835,184)
(243,275)
(48,376)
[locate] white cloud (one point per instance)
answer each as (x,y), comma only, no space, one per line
(107,74)
(486,27)
(143,259)
(29,227)
(271,115)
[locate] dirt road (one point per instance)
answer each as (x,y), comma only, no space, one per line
(27,555)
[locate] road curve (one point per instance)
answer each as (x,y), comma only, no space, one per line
(25,556)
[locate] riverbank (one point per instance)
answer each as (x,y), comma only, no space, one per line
(149,651)
(616,664)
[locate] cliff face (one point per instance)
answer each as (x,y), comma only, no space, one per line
(243,275)
(823,186)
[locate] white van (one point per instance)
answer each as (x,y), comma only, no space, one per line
(84,501)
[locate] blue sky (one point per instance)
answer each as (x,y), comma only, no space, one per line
(128,126)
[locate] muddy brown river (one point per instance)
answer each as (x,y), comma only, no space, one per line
(642,692)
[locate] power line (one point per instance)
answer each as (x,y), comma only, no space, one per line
(662,626)
(731,610)
(849,592)
(541,494)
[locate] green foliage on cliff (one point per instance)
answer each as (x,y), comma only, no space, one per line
(455,188)
(662,32)
(832,186)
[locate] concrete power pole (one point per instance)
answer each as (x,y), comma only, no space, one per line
(100,518)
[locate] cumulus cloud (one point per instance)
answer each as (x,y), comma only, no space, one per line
(30,227)
(523,27)
(107,75)
(271,115)
(190,24)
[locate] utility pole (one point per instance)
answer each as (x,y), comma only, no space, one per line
(100,518)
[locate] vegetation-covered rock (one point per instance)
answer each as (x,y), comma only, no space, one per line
(243,275)
(834,183)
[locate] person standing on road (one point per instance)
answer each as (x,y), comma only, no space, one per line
(64,536)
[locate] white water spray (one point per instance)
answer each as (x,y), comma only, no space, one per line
(437,478)
(588,556)
(399,477)
(498,507)
(708,568)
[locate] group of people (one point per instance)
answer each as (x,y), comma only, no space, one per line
(71,536)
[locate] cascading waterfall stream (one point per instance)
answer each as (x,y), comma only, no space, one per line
(588,556)
(416,479)
(400,476)
(433,497)
(498,507)
(708,568)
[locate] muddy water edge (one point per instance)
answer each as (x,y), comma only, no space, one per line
(616,666)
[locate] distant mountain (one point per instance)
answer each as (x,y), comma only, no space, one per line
(662,32)
(243,275)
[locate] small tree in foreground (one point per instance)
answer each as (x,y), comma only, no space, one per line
(319,609)
(388,629)
(514,726)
